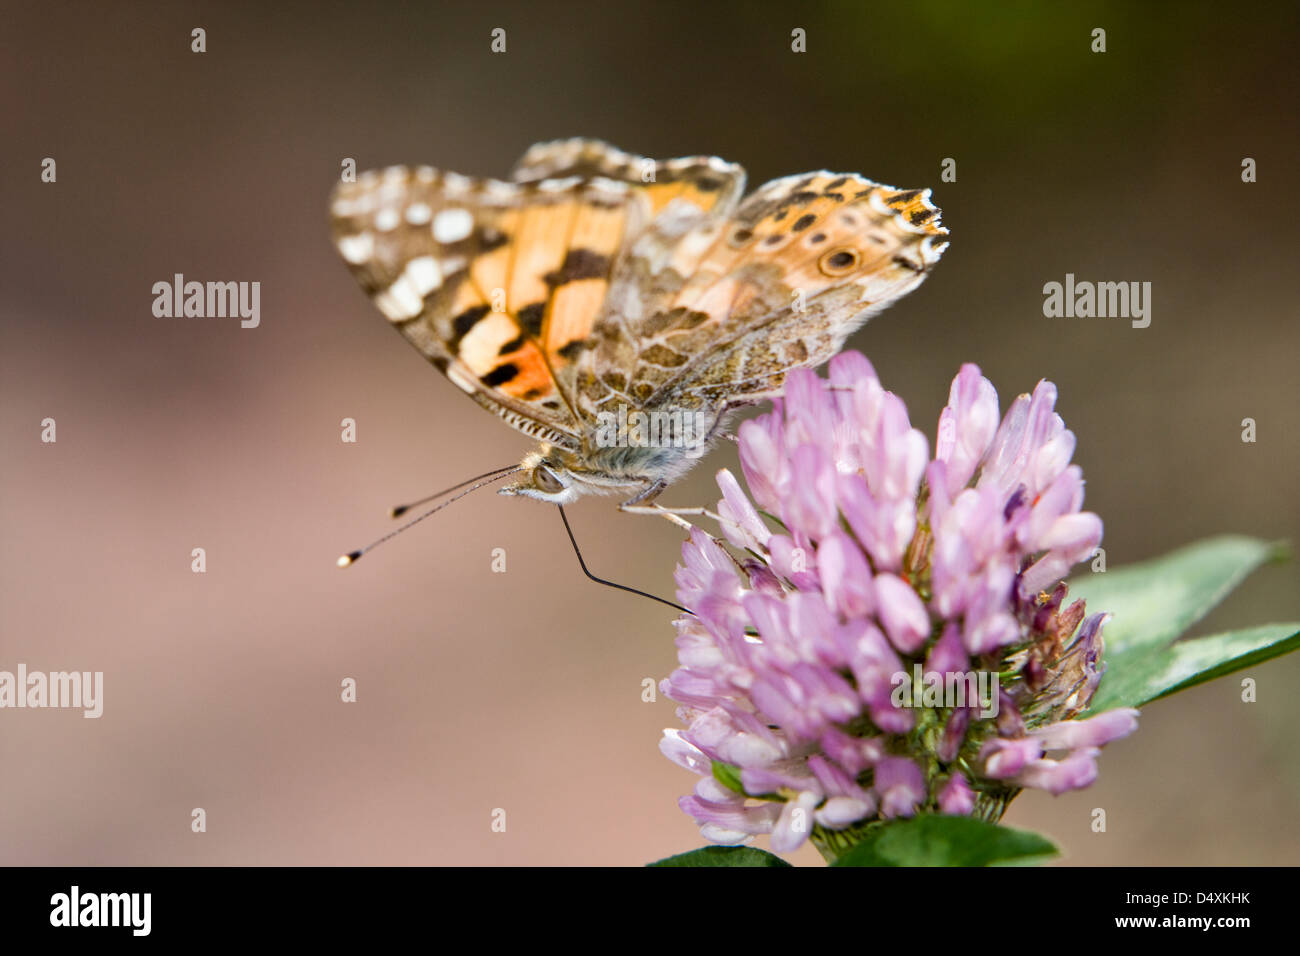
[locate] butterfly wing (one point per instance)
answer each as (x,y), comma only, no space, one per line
(706,183)
(493,282)
(598,277)
(709,313)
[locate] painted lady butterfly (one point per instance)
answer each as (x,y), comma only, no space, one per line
(596,286)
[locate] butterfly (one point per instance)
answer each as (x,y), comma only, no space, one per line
(617,308)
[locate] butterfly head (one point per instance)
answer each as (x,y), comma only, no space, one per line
(559,477)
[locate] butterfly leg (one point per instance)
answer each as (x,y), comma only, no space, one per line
(635,506)
(671,514)
(675,516)
(641,504)
(647,494)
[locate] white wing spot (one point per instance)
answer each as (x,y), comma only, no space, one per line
(418,213)
(400,301)
(357,249)
(423,274)
(558,185)
(495,189)
(931,249)
(456,184)
(877,202)
(609,185)
(386,219)
(452,225)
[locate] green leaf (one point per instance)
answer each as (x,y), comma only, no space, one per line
(932,840)
(1143,676)
(1154,602)
(723,856)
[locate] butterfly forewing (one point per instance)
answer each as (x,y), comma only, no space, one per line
(491,281)
(707,183)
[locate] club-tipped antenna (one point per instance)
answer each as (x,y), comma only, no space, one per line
(622,587)
(352,556)
(398,510)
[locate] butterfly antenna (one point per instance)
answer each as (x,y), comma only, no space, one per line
(399,510)
(352,556)
(622,587)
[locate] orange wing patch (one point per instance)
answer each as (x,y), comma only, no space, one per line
(578,287)
(698,184)
(535,296)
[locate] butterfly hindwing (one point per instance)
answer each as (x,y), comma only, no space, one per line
(712,313)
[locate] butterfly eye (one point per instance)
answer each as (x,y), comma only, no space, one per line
(545,481)
(839,262)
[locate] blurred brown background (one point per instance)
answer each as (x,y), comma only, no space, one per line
(522,691)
